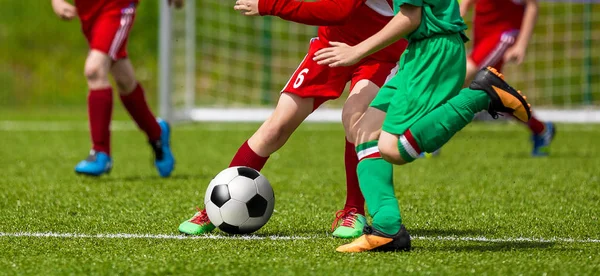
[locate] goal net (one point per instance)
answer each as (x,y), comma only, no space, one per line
(216,65)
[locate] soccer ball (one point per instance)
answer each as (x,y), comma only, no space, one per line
(239,200)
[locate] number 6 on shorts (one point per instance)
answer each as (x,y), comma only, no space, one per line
(300,78)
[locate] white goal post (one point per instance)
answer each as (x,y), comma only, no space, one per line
(215,65)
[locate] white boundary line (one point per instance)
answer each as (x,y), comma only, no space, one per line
(254,237)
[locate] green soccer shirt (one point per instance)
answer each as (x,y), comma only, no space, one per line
(438,17)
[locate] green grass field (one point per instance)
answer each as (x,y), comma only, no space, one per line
(483,207)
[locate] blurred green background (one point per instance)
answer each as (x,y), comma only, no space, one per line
(42,57)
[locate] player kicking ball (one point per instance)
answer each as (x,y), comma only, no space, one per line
(419,110)
(106,25)
(350,21)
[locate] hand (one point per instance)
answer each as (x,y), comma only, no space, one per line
(247,7)
(64,10)
(177,3)
(339,54)
(515,54)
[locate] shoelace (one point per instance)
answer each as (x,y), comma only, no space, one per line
(201,217)
(348,218)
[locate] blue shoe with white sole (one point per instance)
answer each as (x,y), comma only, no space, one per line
(542,141)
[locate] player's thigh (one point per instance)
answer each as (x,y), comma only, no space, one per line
(433,72)
(311,80)
(110,31)
(366,82)
(124,75)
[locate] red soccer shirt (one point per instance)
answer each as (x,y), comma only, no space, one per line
(348,21)
(86,9)
(498,16)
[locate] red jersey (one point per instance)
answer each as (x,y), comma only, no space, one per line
(347,21)
(498,16)
(86,9)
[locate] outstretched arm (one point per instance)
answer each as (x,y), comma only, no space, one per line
(405,22)
(318,13)
(516,53)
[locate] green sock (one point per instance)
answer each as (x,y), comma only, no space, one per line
(375,176)
(437,127)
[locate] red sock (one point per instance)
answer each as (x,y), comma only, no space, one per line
(246,157)
(354,197)
(100,105)
(536,126)
(138,108)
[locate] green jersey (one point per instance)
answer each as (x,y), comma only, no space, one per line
(438,17)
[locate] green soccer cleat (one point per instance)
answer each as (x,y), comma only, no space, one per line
(199,224)
(351,226)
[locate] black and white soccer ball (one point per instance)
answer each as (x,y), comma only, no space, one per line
(239,200)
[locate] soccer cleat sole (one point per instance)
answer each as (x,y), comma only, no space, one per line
(503,97)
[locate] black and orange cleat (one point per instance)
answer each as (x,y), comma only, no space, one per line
(373,240)
(503,98)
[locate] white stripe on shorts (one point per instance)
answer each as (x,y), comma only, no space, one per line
(122,33)
(506,40)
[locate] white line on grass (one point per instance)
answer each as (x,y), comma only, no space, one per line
(274,237)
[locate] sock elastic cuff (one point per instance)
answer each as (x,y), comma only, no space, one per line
(368,150)
(101,91)
(136,92)
(408,147)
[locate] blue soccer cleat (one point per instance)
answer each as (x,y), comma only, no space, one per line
(163,158)
(96,164)
(541,142)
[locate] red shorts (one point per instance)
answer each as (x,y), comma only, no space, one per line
(488,50)
(324,83)
(108,31)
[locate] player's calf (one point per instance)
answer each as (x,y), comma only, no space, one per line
(503,98)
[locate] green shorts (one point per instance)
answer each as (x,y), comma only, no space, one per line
(431,72)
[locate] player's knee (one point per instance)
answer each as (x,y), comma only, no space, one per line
(389,151)
(95,72)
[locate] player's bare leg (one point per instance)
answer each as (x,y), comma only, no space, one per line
(100,104)
(133,98)
(290,112)
(350,221)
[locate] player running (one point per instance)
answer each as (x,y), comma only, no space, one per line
(418,110)
(106,25)
(501,32)
(350,21)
